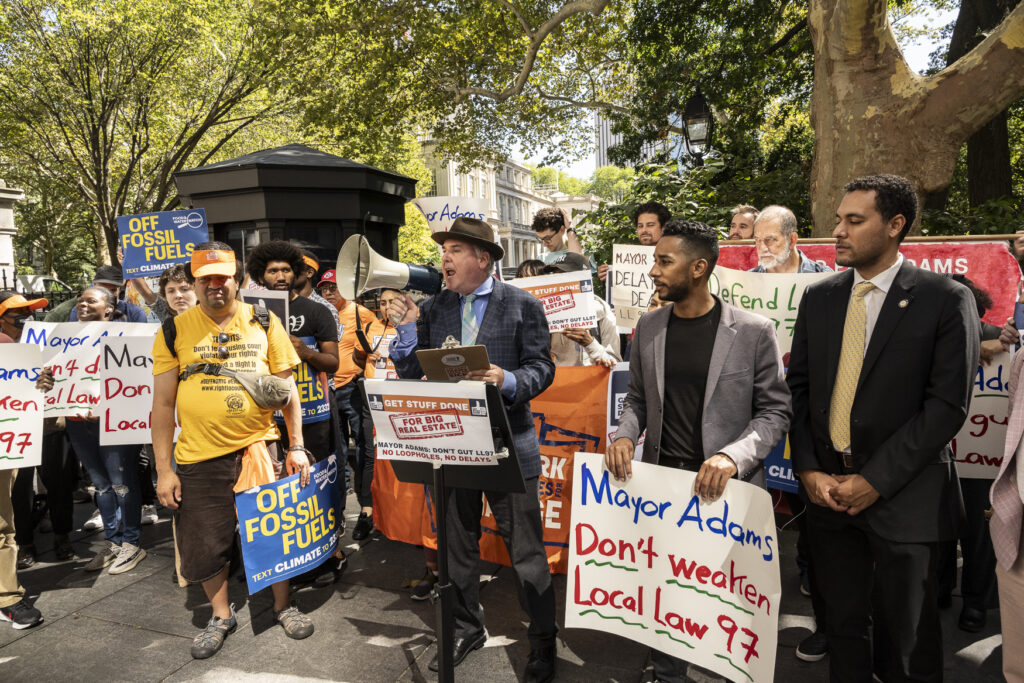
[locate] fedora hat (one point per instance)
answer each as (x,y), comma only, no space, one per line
(476,232)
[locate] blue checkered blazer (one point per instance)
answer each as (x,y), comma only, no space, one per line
(515,332)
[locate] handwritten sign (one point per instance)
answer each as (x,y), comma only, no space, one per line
(21,407)
(980,444)
(152,242)
(288,529)
(988,264)
(630,283)
(441,212)
(650,561)
(126,391)
(73,351)
(431,422)
(776,296)
(568,298)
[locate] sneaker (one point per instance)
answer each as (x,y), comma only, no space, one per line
(129,556)
(103,558)
(209,642)
(813,648)
(423,587)
(95,522)
(364,525)
(82,496)
(20,615)
(26,556)
(296,624)
(149,515)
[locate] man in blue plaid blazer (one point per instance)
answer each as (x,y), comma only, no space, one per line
(478,309)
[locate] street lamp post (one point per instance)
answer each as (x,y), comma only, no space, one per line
(698,123)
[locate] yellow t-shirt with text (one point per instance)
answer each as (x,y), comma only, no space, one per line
(217,416)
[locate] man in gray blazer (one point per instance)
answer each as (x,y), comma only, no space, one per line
(705,381)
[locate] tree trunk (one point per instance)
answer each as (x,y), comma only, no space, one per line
(872,114)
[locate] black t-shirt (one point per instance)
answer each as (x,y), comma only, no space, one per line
(688,347)
(309,320)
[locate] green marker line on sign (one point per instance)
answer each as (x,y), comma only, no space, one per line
(672,637)
(627,623)
(735,667)
(609,564)
(710,595)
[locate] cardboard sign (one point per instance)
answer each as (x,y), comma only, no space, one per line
(126,391)
(21,406)
(776,296)
(73,351)
(274,301)
(980,444)
(630,285)
(651,562)
(568,298)
(441,212)
(287,529)
(618,387)
(152,242)
(443,424)
(988,264)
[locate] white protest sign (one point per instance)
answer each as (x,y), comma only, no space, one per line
(434,422)
(568,298)
(126,395)
(21,407)
(979,445)
(73,351)
(776,296)
(651,562)
(441,212)
(629,283)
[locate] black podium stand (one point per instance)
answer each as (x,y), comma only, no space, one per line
(506,476)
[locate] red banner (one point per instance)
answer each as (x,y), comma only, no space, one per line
(988,264)
(569,417)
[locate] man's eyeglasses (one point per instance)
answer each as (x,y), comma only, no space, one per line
(548,239)
(767,240)
(222,350)
(328,288)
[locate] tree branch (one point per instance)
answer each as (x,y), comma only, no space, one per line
(792,33)
(567,10)
(993,74)
(519,16)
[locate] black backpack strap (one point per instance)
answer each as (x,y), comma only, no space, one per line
(170,331)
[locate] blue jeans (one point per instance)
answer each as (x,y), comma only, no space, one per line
(349,400)
(114,472)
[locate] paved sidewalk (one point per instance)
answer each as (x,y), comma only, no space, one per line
(138,626)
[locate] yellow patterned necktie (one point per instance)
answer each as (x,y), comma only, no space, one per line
(851,358)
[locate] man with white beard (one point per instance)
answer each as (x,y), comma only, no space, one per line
(775,239)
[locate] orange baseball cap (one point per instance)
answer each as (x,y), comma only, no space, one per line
(211,262)
(18,301)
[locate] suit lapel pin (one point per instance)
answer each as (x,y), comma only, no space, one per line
(904,303)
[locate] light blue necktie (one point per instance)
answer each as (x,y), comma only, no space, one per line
(470,328)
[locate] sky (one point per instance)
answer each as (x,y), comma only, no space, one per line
(916,55)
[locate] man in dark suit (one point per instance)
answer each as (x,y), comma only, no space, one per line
(478,309)
(884,355)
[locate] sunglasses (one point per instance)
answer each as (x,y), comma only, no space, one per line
(222,351)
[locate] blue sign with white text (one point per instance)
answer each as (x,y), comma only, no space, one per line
(287,529)
(152,242)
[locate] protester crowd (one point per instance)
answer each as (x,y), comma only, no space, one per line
(877,384)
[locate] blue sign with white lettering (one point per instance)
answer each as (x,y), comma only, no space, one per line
(152,242)
(288,529)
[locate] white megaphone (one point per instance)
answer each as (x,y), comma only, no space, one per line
(361,269)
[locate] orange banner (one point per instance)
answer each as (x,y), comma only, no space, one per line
(569,417)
